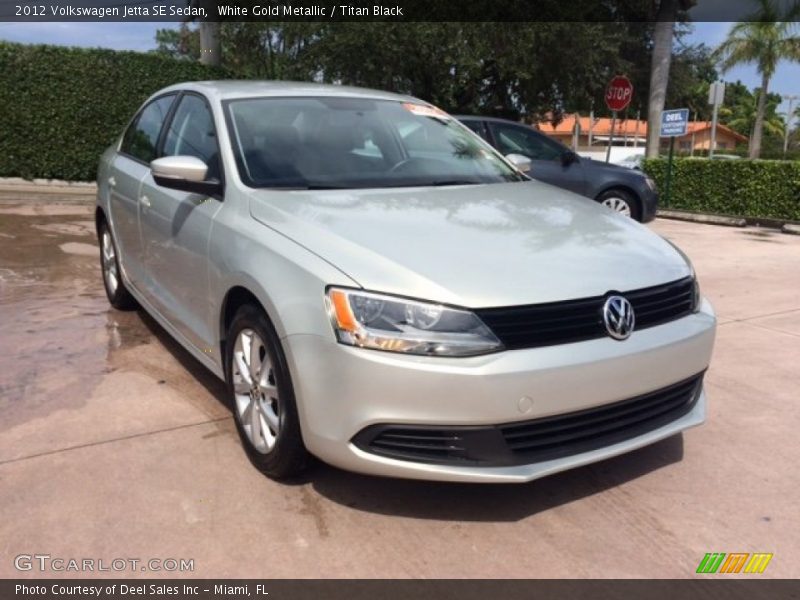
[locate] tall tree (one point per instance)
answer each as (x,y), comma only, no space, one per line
(766,38)
(690,75)
(210,47)
(210,43)
(659,70)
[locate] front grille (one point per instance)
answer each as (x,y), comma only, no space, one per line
(661,304)
(571,321)
(533,441)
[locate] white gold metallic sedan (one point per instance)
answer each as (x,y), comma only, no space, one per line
(381,289)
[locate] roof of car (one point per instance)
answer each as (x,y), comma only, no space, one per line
(229,89)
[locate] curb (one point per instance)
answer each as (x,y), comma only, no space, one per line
(38,182)
(702,218)
(791,229)
(17,185)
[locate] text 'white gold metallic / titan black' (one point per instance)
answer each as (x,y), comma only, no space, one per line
(618,317)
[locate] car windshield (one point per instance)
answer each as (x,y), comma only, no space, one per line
(343,142)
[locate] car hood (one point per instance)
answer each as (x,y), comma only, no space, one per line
(613,168)
(473,246)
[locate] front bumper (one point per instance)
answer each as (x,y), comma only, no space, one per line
(341,391)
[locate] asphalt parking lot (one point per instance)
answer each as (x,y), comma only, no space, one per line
(115,443)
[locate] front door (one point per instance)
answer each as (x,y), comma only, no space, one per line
(176,227)
(545,155)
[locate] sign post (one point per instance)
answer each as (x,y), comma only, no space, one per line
(619,93)
(674,123)
(716,94)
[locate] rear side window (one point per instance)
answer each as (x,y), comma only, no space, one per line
(141,139)
(191,133)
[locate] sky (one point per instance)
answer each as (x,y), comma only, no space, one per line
(786,80)
(141,37)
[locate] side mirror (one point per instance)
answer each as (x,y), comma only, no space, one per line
(185,173)
(569,157)
(523,163)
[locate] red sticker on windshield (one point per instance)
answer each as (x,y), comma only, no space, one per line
(426,110)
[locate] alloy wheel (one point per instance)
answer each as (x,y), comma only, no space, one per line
(255,391)
(109,256)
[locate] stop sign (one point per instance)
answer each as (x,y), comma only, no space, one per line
(619,93)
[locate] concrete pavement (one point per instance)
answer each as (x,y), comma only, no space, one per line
(115,443)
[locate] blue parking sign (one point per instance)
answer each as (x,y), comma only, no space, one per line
(674,122)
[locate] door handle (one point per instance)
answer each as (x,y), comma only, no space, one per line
(145,201)
(111,181)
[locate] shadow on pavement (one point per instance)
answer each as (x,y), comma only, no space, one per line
(214,385)
(489,502)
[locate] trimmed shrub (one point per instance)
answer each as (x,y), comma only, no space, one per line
(61,107)
(745,188)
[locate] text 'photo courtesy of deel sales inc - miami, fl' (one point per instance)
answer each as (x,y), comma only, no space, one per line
(138,590)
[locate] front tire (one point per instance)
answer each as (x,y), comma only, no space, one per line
(262,396)
(622,202)
(118,295)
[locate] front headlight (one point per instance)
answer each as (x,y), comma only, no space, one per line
(650,183)
(696,297)
(408,326)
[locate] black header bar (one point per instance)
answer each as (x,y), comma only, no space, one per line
(368,10)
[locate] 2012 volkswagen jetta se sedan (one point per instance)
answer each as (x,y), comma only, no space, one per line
(383,290)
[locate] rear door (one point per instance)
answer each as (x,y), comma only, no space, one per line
(176,226)
(544,153)
(128,169)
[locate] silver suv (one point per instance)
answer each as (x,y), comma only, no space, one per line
(382,289)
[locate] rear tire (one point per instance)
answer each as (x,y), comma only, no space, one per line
(622,202)
(262,396)
(118,295)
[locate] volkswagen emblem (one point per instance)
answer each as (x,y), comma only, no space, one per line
(618,317)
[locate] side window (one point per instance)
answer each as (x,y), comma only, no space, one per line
(521,140)
(478,127)
(142,136)
(191,133)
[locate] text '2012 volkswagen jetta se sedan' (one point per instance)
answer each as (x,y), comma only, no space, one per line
(383,290)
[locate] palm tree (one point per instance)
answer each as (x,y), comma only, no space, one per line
(766,38)
(666,12)
(742,117)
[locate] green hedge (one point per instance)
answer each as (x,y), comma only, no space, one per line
(61,107)
(746,188)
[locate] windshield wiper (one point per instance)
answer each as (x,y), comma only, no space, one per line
(442,182)
(331,186)
(326,186)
